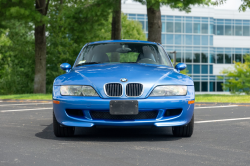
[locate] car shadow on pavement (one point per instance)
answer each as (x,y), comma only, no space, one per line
(110,134)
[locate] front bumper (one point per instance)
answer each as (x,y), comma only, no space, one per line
(87,104)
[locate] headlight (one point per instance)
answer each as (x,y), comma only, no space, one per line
(169,91)
(72,90)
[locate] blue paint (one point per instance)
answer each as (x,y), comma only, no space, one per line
(66,67)
(150,75)
(180,66)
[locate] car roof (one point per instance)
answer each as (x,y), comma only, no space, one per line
(123,41)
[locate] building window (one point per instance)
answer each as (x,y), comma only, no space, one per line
(178,56)
(189,27)
(197,28)
(189,69)
(188,40)
(196,40)
(170,27)
(228,30)
(211,69)
(219,58)
(163,27)
(204,40)
(196,69)
(220,30)
(212,58)
(211,40)
(177,40)
(197,86)
(204,28)
(170,39)
(228,58)
(197,58)
(219,86)
(188,57)
(204,69)
(204,87)
(238,30)
(177,27)
(237,57)
(211,86)
(163,39)
(204,57)
(246,31)
(211,29)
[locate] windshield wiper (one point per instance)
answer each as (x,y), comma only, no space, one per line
(87,63)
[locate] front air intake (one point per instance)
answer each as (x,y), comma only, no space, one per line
(172,112)
(113,89)
(101,115)
(75,112)
(134,89)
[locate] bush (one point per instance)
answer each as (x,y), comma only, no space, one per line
(239,78)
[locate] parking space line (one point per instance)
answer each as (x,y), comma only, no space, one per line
(4,105)
(216,106)
(222,120)
(26,109)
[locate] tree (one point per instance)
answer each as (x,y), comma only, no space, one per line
(70,25)
(17,58)
(116,21)
(40,48)
(26,12)
(239,77)
(154,13)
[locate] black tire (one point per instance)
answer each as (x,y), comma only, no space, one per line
(61,131)
(184,131)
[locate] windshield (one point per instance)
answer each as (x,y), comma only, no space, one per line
(123,53)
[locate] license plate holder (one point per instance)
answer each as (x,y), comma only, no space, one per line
(123,107)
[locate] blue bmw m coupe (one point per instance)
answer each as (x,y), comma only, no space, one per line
(123,83)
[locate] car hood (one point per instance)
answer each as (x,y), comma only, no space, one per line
(98,75)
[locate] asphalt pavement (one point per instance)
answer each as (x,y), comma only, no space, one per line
(221,137)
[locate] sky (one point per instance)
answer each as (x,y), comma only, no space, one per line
(230,4)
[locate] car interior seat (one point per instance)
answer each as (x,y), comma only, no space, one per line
(100,57)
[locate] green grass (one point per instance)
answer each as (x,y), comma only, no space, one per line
(198,98)
(28,97)
(223,98)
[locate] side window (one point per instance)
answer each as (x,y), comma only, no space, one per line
(164,57)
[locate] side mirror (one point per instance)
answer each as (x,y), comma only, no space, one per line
(180,66)
(66,67)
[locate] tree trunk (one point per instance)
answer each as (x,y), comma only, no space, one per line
(40,50)
(154,22)
(116,21)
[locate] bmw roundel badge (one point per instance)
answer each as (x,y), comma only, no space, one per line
(124,80)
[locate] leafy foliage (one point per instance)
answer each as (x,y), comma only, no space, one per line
(239,78)
(72,26)
(19,9)
(17,59)
(175,4)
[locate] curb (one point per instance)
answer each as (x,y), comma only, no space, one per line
(215,103)
(19,100)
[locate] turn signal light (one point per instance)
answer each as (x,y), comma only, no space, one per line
(191,102)
(56,102)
